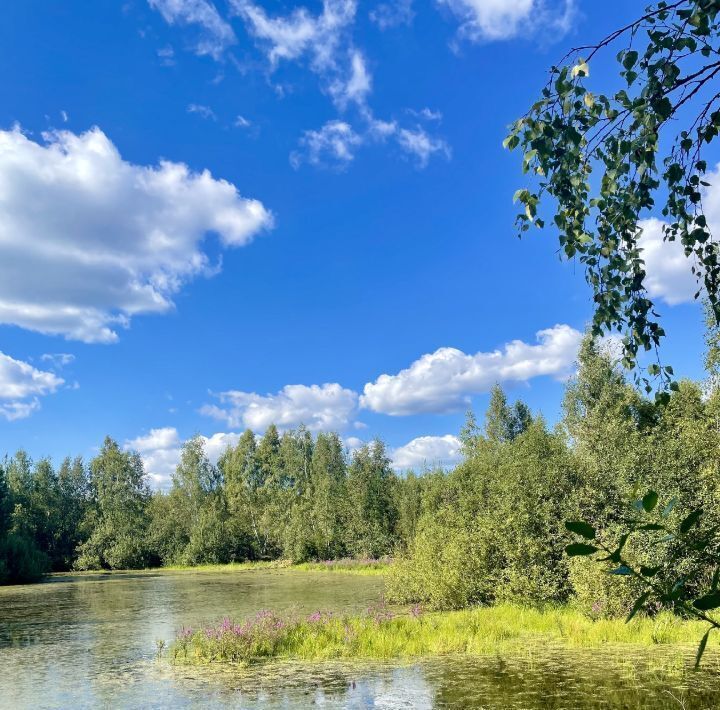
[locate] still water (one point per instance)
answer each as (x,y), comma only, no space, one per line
(89,642)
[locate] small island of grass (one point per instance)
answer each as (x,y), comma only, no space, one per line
(381,633)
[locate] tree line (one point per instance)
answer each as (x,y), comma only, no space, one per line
(492,529)
(292,496)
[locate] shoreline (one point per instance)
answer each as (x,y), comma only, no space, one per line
(343,566)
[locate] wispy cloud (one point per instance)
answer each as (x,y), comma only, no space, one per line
(203,111)
(215,35)
(392,14)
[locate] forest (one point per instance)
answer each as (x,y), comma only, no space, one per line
(492,530)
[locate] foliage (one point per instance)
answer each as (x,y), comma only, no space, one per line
(647,139)
(372,515)
(675,575)
(116,515)
(496,532)
(381,633)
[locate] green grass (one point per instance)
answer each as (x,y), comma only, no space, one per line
(229,567)
(380,634)
(347,566)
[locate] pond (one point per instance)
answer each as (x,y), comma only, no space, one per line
(89,641)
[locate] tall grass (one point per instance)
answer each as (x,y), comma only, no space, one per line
(383,634)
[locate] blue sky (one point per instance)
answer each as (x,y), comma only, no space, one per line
(215,215)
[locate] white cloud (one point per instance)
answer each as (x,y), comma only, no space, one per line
(327,407)
(355,87)
(392,14)
(21,385)
(216,444)
(427,451)
(166,56)
(88,240)
(204,111)
(446,379)
(161,449)
(668,276)
(428,114)
(300,33)
(323,40)
(668,270)
(58,360)
(421,146)
(488,20)
(353,443)
(333,145)
(216,34)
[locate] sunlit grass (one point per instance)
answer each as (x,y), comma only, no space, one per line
(348,566)
(382,634)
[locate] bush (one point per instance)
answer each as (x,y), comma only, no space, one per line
(597,593)
(20,560)
(448,567)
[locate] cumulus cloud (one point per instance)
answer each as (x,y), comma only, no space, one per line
(668,276)
(445,380)
(668,270)
(88,240)
(216,35)
(21,386)
(327,407)
(161,448)
(427,451)
(488,20)
(353,443)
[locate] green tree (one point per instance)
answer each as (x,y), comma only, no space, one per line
(117,517)
(503,422)
(74,493)
(329,490)
(245,493)
(372,514)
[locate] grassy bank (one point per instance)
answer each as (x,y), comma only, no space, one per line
(383,634)
(347,566)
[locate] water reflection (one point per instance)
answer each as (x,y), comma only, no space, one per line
(89,642)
